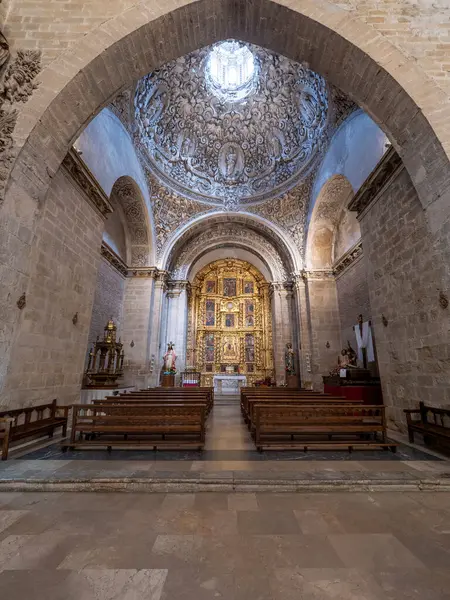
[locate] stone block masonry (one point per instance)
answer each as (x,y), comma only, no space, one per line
(47,360)
(108,301)
(406,276)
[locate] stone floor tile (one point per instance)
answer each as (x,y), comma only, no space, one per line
(318,522)
(373,552)
(190,583)
(178,501)
(408,584)
(267,522)
(37,552)
(10,546)
(433,549)
(8,517)
(207,501)
(176,551)
(323,584)
(245,501)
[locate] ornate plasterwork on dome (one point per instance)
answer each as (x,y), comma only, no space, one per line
(171,211)
(215,151)
(342,105)
(223,235)
(289,211)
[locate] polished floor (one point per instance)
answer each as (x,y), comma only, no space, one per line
(92,546)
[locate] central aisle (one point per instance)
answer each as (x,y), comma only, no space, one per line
(226,429)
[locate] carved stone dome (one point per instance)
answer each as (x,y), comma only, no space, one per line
(232,123)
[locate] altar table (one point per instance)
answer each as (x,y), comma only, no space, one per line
(229,384)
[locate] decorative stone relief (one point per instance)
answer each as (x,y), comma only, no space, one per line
(342,105)
(331,199)
(385,171)
(171,211)
(210,149)
(121,107)
(348,259)
(17,86)
(128,196)
(289,211)
(81,175)
(226,233)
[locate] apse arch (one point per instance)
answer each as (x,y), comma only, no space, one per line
(127,194)
(242,229)
(391,87)
(232,252)
(323,243)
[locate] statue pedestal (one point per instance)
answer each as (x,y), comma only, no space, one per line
(292,381)
(168,381)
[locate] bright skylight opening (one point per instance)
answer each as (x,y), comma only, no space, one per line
(231,70)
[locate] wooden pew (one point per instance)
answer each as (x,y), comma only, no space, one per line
(132,425)
(324,426)
(22,423)
(164,397)
(288,395)
(252,403)
(433,423)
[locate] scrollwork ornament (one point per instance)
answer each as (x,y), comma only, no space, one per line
(206,148)
(17,86)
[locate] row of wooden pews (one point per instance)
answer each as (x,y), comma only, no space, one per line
(152,418)
(283,418)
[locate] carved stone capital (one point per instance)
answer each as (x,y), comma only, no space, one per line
(150,272)
(81,175)
(384,172)
(351,256)
(113,259)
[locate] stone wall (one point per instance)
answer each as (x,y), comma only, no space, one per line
(325,329)
(353,299)
(49,350)
(407,271)
(108,301)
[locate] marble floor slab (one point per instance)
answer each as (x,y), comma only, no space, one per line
(258,546)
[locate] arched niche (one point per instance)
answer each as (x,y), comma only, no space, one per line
(128,196)
(332,229)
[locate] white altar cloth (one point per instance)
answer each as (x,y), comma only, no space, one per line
(229,384)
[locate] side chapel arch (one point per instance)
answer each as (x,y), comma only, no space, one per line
(127,194)
(332,227)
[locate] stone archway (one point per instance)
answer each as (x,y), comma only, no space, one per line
(349,53)
(328,214)
(128,196)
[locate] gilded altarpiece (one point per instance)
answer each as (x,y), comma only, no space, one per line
(230,323)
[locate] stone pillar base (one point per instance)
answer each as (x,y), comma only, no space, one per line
(168,381)
(292,381)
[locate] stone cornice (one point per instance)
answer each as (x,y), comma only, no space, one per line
(113,259)
(150,272)
(318,274)
(351,256)
(384,172)
(82,176)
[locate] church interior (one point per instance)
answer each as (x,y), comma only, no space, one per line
(224,286)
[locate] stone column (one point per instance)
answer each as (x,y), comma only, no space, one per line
(304,347)
(177,312)
(156,347)
(137,327)
(282,324)
(324,320)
